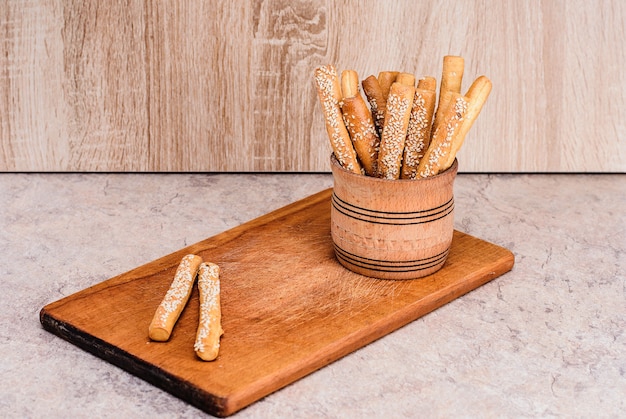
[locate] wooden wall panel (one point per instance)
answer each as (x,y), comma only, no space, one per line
(104,85)
(217,85)
(33,129)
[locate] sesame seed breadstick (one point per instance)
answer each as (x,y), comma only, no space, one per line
(406,78)
(377,101)
(451,78)
(442,105)
(358,119)
(329,92)
(477,95)
(436,156)
(349,83)
(175,299)
(392,140)
(386,79)
(207,343)
(418,132)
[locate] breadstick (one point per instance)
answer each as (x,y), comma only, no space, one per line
(392,140)
(406,78)
(386,79)
(207,343)
(418,132)
(436,156)
(451,78)
(175,299)
(442,105)
(427,83)
(329,93)
(377,102)
(477,96)
(452,73)
(358,119)
(349,83)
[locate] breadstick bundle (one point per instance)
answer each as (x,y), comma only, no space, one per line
(167,313)
(400,129)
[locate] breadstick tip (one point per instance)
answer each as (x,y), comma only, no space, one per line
(427,83)
(349,83)
(452,74)
(406,78)
(386,79)
(480,87)
(159,334)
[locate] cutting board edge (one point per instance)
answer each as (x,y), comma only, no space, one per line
(215,405)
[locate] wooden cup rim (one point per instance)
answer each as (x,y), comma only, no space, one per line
(334,162)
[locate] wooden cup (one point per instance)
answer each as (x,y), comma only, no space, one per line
(392,229)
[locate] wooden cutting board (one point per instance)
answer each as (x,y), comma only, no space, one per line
(288,308)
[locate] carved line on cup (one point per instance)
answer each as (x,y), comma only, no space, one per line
(390,266)
(381,217)
(408,213)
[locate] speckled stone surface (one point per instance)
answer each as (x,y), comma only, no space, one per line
(548,339)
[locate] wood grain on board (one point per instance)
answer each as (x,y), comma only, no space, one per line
(146,85)
(288,307)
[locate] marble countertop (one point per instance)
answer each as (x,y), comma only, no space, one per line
(547,339)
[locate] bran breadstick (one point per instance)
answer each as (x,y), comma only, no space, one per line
(207,343)
(392,140)
(477,95)
(358,119)
(437,154)
(377,101)
(329,93)
(418,132)
(451,78)
(175,299)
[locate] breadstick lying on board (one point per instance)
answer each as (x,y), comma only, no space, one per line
(175,299)
(207,343)
(437,154)
(377,101)
(477,95)
(329,92)
(392,140)
(418,132)
(359,122)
